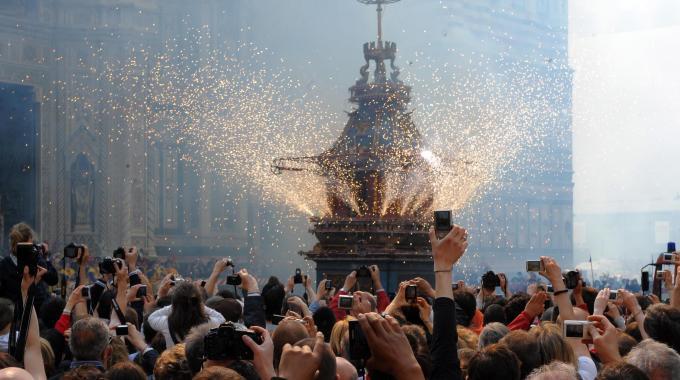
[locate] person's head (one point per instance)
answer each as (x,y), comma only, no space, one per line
(290,304)
(492,333)
(194,348)
(288,331)
(345,370)
(132,317)
(494,362)
(466,304)
(662,323)
(90,340)
(621,371)
(119,352)
(416,338)
(172,365)
(125,370)
(655,359)
(14,373)
(7,360)
(467,338)
(494,313)
(230,308)
(324,319)
(187,309)
(20,233)
(556,370)
(50,310)
(218,373)
(626,343)
(273,300)
(515,306)
(551,345)
(327,367)
(363,302)
(633,330)
(6,314)
(525,346)
(86,372)
(464,356)
(340,338)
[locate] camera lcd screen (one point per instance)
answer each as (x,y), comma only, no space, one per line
(442,220)
(533,265)
(345,302)
(613,294)
(573,331)
(411,293)
(121,330)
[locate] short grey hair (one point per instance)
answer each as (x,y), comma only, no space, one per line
(492,333)
(556,370)
(89,338)
(655,359)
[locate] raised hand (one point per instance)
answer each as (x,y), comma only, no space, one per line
(601,301)
(605,338)
(263,354)
(536,304)
(248,282)
(447,251)
(552,272)
(424,287)
(390,350)
(301,362)
(350,280)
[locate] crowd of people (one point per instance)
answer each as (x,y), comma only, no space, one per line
(123,324)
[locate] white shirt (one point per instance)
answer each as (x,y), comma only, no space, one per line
(158,320)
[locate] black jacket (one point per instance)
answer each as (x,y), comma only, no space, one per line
(444,348)
(10,281)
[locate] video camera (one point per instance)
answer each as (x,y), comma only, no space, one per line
(224,342)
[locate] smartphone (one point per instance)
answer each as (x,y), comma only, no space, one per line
(85,292)
(442,222)
(411,293)
(358,346)
(121,330)
(141,292)
(276,319)
(328,285)
(576,329)
(534,266)
(454,286)
(345,302)
(613,294)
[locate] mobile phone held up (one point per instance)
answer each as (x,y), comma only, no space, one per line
(442,222)
(411,293)
(358,345)
(27,256)
(297,279)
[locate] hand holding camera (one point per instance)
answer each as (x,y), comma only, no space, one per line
(350,281)
(536,304)
(447,251)
(226,342)
(263,352)
(605,337)
(247,282)
(601,301)
(552,272)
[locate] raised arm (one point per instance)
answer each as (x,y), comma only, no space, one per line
(211,284)
(444,351)
(561,294)
(33,361)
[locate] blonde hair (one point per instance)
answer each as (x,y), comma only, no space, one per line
(551,345)
(338,334)
(467,338)
(172,364)
(47,355)
(19,233)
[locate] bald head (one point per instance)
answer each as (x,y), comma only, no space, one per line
(14,373)
(288,331)
(345,369)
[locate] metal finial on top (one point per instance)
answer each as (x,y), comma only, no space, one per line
(379,9)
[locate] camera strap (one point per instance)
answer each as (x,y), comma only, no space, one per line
(20,324)
(119,313)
